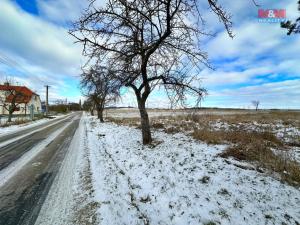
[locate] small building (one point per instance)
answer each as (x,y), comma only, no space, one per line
(24,100)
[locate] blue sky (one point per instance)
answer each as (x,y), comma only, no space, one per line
(29,6)
(260,63)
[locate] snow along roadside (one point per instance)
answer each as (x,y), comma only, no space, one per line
(17,165)
(180,181)
(13,128)
(58,207)
(30,133)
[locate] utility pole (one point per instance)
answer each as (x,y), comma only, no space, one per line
(47,103)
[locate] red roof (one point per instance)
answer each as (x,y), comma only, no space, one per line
(25,93)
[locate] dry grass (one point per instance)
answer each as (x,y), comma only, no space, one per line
(87,214)
(227,137)
(20,120)
(262,154)
(252,146)
(264,117)
(172,130)
(158,125)
(255,147)
(202,120)
(15,122)
(132,122)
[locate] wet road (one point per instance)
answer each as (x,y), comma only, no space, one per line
(28,130)
(22,196)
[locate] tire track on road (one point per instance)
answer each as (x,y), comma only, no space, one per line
(22,196)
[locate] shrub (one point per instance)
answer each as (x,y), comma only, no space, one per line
(158,125)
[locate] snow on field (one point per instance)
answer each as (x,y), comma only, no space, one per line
(133,112)
(278,128)
(287,133)
(178,181)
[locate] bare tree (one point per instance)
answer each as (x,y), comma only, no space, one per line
(150,43)
(255,103)
(101,87)
(292,27)
(89,105)
(11,97)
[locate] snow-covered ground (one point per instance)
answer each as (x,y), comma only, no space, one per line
(14,128)
(176,181)
(134,113)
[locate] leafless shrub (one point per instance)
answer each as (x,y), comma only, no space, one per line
(172,130)
(158,125)
(15,122)
(262,154)
(132,122)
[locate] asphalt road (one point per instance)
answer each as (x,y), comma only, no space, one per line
(26,131)
(22,196)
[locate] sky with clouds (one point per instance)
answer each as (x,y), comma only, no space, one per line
(260,63)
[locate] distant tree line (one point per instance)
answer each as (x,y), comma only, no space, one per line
(64,108)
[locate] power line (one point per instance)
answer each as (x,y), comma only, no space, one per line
(13,64)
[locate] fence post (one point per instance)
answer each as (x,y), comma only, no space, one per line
(31,112)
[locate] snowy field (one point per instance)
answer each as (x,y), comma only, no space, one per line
(177,180)
(134,113)
(284,125)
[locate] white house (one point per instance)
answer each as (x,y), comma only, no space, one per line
(23,97)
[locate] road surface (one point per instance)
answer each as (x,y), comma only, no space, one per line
(24,185)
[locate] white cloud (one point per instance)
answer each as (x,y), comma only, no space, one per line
(36,51)
(61,10)
(46,54)
(38,42)
(219,77)
(258,53)
(283,94)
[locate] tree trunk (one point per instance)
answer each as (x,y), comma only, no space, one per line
(9,116)
(145,124)
(100,114)
(92,110)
